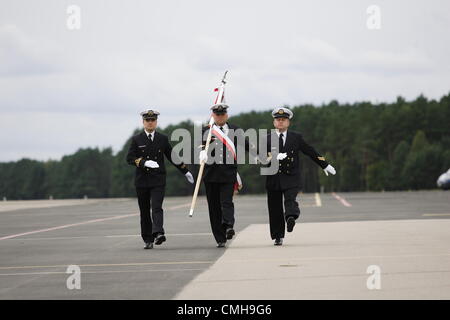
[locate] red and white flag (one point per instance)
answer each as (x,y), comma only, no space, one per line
(226,141)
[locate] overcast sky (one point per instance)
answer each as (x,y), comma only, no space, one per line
(63,89)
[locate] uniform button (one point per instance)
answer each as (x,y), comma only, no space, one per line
(279,171)
(148,169)
(288,171)
(148,157)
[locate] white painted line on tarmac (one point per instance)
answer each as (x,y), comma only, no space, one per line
(110,264)
(105,271)
(307,198)
(435,214)
(57,238)
(341,200)
(67,226)
(318,200)
(276,260)
(186,205)
(82,223)
(167,234)
(109,236)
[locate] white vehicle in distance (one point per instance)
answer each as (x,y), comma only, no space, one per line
(444,180)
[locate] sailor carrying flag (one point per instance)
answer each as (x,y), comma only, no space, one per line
(221,133)
(219,160)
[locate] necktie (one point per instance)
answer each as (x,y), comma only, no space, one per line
(150,137)
(281,142)
(221,128)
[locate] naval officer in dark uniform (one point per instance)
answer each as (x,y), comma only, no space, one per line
(285,183)
(220,174)
(146,153)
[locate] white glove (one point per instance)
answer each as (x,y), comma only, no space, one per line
(329,169)
(203,157)
(281,156)
(189,177)
(151,164)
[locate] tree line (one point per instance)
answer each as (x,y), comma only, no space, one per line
(403,145)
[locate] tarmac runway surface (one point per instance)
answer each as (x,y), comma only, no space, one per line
(388,245)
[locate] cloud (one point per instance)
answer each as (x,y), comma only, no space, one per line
(316,55)
(406,61)
(37,75)
(22,56)
(170,55)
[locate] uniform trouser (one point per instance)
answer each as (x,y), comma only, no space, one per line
(277,216)
(221,208)
(151,224)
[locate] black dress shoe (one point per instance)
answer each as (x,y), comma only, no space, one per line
(148,245)
(230,233)
(278,242)
(220,244)
(290,224)
(160,238)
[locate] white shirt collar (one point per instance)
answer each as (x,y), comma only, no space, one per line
(150,133)
(284,133)
(225,127)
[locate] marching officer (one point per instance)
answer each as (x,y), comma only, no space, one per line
(146,153)
(220,176)
(285,183)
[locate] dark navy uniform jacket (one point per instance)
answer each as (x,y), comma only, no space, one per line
(288,174)
(143,149)
(224,170)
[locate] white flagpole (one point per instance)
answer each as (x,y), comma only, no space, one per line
(219,99)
